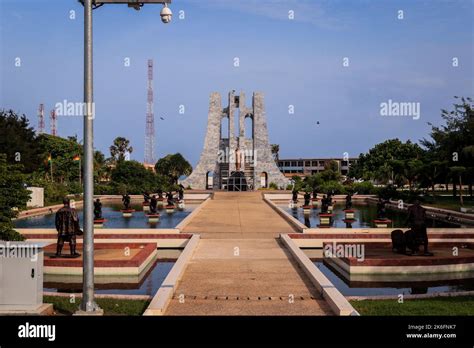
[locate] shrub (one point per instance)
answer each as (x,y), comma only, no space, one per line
(364,188)
(332,187)
(273,186)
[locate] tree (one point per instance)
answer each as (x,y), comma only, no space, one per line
(133,177)
(120,148)
(18,141)
(275,151)
(62,152)
(453,141)
(173,167)
(13,196)
(387,161)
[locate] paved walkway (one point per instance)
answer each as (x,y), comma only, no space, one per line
(240,267)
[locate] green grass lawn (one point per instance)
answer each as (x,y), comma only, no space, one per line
(449,202)
(459,305)
(63,306)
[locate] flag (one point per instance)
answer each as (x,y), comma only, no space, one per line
(77,158)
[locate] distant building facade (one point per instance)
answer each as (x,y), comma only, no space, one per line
(309,166)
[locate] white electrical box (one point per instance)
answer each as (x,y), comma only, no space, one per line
(21,275)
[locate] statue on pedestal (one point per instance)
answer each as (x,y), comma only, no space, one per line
(324,204)
(160,194)
(381,210)
(349,201)
(294,195)
(170,198)
(416,220)
(146,197)
(153,204)
(67,225)
(126,201)
(97,209)
(307,198)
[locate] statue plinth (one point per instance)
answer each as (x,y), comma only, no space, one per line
(325,219)
(349,214)
(383,223)
(153,218)
(99,223)
(127,213)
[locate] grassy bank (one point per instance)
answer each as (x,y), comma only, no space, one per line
(460,305)
(63,305)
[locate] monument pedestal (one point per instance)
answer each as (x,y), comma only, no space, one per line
(325,220)
(160,203)
(153,218)
(383,223)
(170,209)
(99,223)
(127,213)
(349,214)
(307,209)
(146,206)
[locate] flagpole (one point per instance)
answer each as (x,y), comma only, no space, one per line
(80,172)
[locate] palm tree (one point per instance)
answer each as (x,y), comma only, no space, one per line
(120,148)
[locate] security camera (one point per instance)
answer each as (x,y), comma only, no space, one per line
(166,14)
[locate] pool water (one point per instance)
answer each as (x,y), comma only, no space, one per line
(364,215)
(113,215)
(147,285)
(400,286)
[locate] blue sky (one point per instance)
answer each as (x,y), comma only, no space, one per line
(293,62)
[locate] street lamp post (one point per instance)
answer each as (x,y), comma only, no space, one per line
(88,304)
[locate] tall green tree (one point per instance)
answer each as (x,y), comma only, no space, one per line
(453,141)
(120,148)
(133,177)
(388,161)
(19,142)
(173,167)
(61,153)
(13,196)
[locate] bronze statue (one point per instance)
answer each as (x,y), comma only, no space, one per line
(160,193)
(324,205)
(146,197)
(153,204)
(381,211)
(294,195)
(67,225)
(307,198)
(416,220)
(126,201)
(349,201)
(169,197)
(97,209)
(181,192)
